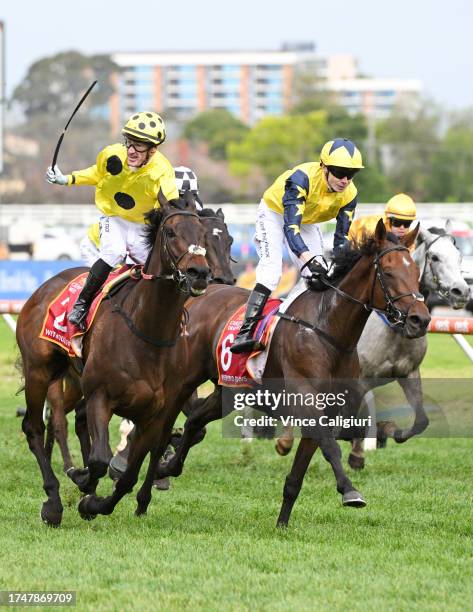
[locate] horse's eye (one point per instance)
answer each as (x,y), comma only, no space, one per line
(170,233)
(435,258)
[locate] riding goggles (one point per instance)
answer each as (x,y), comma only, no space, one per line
(400,222)
(140,147)
(341,173)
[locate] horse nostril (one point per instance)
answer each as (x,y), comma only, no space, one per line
(456,292)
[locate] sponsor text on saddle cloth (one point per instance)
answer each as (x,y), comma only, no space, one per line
(244,369)
(56,327)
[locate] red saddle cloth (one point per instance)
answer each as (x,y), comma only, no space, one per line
(232,368)
(56,327)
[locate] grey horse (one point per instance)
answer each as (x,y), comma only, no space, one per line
(386,355)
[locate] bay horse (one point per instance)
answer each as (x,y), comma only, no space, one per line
(380,274)
(385,355)
(65,395)
(123,352)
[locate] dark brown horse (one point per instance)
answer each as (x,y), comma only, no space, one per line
(65,395)
(124,351)
(379,275)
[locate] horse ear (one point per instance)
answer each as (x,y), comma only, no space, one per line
(190,201)
(220,214)
(163,202)
(410,238)
(380,231)
(449,226)
(424,235)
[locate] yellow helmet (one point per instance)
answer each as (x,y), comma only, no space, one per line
(147,126)
(401,206)
(341,152)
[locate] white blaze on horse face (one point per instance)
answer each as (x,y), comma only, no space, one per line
(216,232)
(195,249)
(405,262)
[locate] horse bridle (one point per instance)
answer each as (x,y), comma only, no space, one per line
(443,292)
(395,316)
(179,277)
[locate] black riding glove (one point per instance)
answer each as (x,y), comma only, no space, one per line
(318,274)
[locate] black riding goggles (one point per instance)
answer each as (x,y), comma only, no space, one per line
(140,147)
(400,222)
(341,173)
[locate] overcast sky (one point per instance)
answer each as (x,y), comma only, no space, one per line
(430,40)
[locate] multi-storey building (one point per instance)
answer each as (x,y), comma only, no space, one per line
(251,85)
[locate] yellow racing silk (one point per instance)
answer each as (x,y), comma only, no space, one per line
(302,196)
(122,191)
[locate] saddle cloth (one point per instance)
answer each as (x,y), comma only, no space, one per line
(56,327)
(239,370)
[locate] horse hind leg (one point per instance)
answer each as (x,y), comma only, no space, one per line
(57,423)
(36,386)
(412,387)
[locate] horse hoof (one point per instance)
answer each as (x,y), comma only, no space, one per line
(353,499)
(399,436)
(281,449)
(281,524)
(50,518)
(355,462)
(162,484)
(140,511)
(82,508)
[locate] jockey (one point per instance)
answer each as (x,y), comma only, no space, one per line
(290,210)
(128,178)
(399,213)
(186,180)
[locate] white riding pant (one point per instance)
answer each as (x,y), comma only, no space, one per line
(269,239)
(119,240)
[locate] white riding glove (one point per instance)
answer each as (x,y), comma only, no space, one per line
(56,177)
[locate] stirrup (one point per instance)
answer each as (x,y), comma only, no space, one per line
(79,320)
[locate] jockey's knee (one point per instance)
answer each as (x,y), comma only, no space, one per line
(112,259)
(269,276)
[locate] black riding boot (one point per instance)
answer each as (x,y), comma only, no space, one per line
(244,342)
(97,276)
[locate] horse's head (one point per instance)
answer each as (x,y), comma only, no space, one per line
(439,261)
(395,288)
(177,238)
(218,243)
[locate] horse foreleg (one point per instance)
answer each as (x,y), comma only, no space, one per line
(82,432)
(142,443)
(293,483)
(333,454)
(36,386)
(356,458)
(412,387)
(143,496)
(209,410)
(99,414)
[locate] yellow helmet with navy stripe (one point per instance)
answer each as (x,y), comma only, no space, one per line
(341,152)
(401,206)
(147,126)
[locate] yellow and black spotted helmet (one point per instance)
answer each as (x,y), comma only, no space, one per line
(147,126)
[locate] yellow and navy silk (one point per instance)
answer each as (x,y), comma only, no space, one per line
(125,192)
(302,196)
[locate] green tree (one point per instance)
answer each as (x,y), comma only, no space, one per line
(409,140)
(451,178)
(278,143)
(217,128)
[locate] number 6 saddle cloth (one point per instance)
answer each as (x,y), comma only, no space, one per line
(244,369)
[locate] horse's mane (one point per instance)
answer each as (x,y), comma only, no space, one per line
(154,218)
(206,212)
(438,231)
(347,257)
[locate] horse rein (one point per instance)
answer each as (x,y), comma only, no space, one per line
(396,317)
(180,278)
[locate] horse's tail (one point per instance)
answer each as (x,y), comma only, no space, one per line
(19,367)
